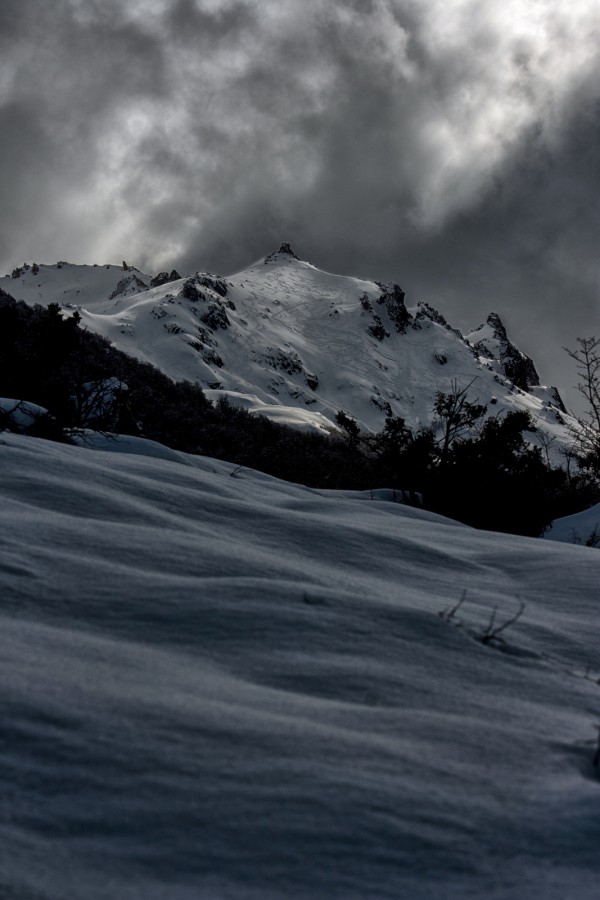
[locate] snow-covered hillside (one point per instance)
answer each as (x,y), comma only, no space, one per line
(297,344)
(580,528)
(218,685)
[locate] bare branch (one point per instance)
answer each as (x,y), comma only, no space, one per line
(491,633)
(450,613)
(587,358)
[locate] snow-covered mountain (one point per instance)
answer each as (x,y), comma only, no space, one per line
(295,343)
(218,687)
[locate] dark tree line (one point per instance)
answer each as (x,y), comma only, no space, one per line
(480,471)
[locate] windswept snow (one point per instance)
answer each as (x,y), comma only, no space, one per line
(216,684)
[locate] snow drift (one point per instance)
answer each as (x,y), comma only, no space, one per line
(216,684)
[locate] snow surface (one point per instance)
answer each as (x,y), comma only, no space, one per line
(578,528)
(289,341)
(215,684)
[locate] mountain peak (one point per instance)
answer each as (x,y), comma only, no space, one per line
(284,250)
(498,327)
(287,339)
(491,340)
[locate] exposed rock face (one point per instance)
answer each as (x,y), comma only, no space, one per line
(165,278)
(493,342)
(191,291)
(285,361)
(426,311)
(128,285)
(215,317)
(377,330)
(393,300)
(216,284)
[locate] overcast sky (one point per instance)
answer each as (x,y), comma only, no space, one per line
(450,145)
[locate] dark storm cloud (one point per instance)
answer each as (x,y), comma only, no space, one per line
(62,79)
(450,145)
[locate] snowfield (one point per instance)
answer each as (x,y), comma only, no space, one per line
(218,685)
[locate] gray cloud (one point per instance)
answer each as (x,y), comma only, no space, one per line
(448,145)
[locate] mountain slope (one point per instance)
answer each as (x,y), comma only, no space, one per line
(237,687)
(293,342)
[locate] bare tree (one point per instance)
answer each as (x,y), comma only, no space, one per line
(587,431)
(456,415)
(546,443)
(97,402)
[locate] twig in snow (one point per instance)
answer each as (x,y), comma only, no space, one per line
(492,631)
(448,614)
